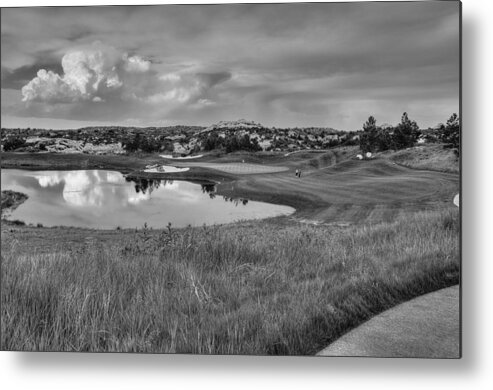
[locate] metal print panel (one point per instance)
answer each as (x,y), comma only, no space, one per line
(250,179)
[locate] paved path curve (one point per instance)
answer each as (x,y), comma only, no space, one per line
(425,327)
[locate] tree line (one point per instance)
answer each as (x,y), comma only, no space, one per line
(376,139)
(146,144)
(231,143)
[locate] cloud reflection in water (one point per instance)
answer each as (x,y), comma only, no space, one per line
(106,199)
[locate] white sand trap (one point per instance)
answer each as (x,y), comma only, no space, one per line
(165,169)
(456,200)
(180,158)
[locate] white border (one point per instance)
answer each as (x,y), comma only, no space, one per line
(123,371)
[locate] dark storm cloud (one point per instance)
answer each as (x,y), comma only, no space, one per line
(17,78)
(211,79)
(78,32)
(283,64)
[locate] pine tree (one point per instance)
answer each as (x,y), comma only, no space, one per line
(450,133)
(406,133)
(368,140)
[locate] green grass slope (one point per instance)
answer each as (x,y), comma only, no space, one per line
(352,191)
(266,287)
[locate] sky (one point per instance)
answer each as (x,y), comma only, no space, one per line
(283,65)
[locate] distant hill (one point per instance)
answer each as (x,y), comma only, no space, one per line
(249,126)
(179,139)
(234,125)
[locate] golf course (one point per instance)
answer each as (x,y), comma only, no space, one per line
(365,236)
(334,186)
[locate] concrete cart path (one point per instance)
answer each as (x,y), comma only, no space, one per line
(425,327)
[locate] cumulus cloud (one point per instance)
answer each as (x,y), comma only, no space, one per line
(48,86)
(99,73)
(88,73)
(136,64)
(188,86)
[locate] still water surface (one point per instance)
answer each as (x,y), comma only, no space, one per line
(106,200)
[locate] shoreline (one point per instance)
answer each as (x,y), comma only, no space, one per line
(133,167)
(10,201)
(334,188)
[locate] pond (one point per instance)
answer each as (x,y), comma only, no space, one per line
(107,200)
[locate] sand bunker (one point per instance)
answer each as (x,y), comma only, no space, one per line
(179,158)
(165,169)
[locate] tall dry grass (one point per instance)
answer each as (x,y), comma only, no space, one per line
(249,288)
(430,157)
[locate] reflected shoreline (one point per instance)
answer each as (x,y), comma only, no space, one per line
(144,185)
(103,199)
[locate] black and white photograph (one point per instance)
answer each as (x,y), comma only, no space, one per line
(266,179)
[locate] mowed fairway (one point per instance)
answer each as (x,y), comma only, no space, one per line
(352,191)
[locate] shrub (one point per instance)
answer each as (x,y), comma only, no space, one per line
(13,143)
(144,143)
(213,141)
(234,143)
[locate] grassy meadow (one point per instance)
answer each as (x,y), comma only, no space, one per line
(261,287)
